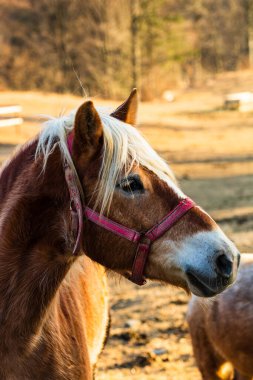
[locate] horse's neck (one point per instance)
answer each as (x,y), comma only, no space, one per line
(14,167)
(34,242)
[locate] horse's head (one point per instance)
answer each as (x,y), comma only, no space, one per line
(122,176)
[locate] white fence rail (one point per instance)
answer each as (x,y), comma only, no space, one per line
(10,116)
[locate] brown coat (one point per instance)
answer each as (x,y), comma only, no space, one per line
(53,307)
(222,329)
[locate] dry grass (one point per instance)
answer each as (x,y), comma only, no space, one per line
(176,130)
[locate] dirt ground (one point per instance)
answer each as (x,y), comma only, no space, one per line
(211,151)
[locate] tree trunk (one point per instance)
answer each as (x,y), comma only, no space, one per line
(134,42)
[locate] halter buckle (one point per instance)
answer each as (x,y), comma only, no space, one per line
(140,259)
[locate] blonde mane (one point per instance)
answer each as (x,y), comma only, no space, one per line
(123,147)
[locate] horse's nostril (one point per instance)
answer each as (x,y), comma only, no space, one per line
(224,266)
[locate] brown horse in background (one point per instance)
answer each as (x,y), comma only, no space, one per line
(222,329)
(53,304)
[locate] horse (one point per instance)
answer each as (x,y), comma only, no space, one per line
(222,330)
(86,196)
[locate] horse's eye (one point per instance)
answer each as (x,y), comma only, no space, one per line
(132,184)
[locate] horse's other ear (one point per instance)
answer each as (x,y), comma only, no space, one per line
(127,111)
(88,129)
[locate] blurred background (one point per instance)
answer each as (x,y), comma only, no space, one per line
(115,45)
(192,62)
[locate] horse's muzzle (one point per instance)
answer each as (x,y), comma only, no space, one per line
(216,278)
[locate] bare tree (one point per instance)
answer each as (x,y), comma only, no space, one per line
(114,45)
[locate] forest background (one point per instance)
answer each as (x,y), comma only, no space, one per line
(111,46)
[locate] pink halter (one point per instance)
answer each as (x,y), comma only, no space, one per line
(144,240)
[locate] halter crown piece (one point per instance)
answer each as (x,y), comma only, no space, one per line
(143,240)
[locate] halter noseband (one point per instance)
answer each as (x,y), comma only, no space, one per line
(144,240)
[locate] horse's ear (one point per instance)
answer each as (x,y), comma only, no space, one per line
(127,111)
(88,128)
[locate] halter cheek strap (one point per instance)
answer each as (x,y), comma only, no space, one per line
(76,209)
(144,240)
